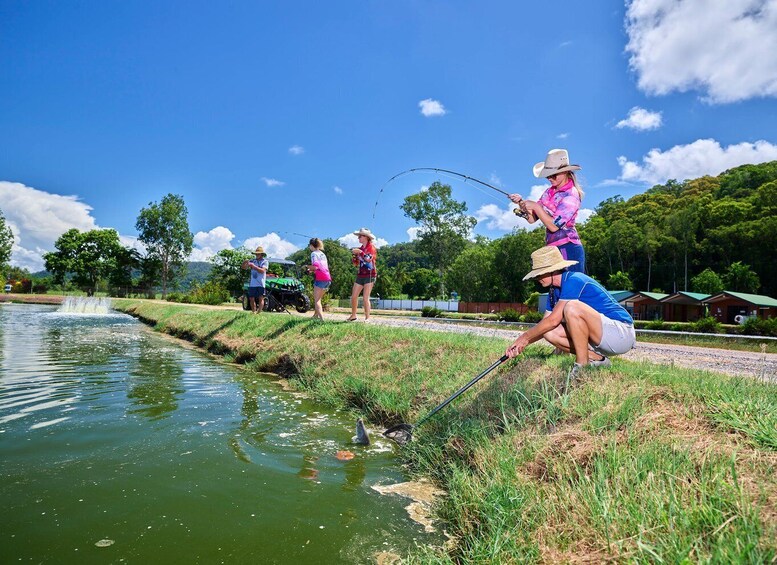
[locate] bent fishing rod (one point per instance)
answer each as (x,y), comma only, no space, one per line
(516,211)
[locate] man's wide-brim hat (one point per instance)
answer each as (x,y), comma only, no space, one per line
(260,251)
(365,232)
(557,161)
(547,260)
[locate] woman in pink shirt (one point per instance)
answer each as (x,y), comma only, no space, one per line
(558,206)
(322,279)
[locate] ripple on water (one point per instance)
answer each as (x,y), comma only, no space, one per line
(48,423)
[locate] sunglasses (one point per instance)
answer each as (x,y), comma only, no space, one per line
(553,176)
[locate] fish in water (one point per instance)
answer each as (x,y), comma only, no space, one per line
(361,437)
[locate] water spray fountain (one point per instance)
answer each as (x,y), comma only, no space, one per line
(85,305)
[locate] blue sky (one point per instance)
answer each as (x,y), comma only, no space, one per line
(273,119)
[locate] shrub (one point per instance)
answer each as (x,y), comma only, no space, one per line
(40,287)
(509,315)
(210,293)
(757,326)
(431,312)
(655,324)
(708,325)
(532,316)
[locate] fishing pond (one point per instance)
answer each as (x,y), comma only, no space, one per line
(119,445)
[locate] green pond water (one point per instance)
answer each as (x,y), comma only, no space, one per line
(119,446)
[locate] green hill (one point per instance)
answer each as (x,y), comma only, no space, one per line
(674,231)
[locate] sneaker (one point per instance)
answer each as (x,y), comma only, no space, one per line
(572,377)
(603,362)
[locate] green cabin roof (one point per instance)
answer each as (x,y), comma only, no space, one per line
(756,299)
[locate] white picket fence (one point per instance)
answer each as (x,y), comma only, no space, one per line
(444,305)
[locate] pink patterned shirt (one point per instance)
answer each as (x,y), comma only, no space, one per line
(562,204)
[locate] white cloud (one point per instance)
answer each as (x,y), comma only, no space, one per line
(351,241)
(537,190)
(583,214)
(702,157)
(273,244)
(338,190)
(721,49)
(641,120)
(430,108)
(132,242)
(563,135)
(412,233)
(272,182)
(296,150)
(504,219)
(207,244)
(495,180)
(498,218)
(37,219)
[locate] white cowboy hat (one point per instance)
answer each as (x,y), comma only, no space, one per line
(557,161)
(365,232)
(547,260)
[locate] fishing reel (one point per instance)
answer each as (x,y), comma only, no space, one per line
(520,213)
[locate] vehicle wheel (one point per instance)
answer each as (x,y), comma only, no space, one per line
(271,304)
(302,304)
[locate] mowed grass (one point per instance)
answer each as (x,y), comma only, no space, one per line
(638,463)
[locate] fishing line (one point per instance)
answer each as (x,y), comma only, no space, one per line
(447,172)
(299,234)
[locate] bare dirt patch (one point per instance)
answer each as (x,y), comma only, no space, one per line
(571,445)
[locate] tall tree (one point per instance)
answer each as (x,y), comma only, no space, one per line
(164,229)
(444,225)
(228,270)
(6,244)
(741,278)
(473,274)
(512,260)
(620,281)
(707,282)
(88,257)
(423,285)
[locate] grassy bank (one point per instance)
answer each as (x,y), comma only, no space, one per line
(639,463)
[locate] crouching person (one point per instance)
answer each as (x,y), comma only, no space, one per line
(583,318)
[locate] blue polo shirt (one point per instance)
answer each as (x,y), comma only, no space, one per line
(257,278)
(577,286)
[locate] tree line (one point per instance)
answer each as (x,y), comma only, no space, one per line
(702,235)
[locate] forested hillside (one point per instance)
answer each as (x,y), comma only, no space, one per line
(671,233)
(723,228)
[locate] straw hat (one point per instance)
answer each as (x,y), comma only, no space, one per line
(366,232)
(557,161)
(260,251)
(547,260)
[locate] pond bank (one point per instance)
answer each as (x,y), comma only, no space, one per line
(637,463)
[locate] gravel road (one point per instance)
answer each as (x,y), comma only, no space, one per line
(741,363)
